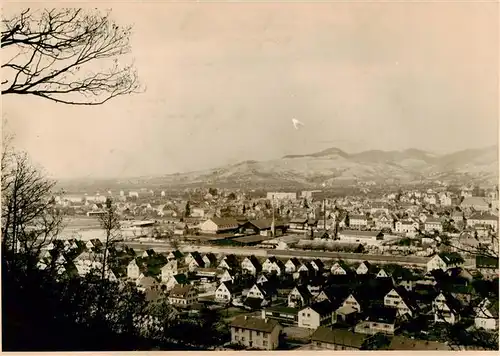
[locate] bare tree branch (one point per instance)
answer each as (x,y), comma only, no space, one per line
(69,56)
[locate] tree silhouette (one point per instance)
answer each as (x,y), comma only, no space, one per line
(68,56)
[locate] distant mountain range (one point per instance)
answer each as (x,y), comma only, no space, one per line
(332,167)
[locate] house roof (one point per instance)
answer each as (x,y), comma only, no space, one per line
(474,201)
(338,337)
(264,224)
(320,233)
(253,303)
(381,314)
(181,278)
(486,262)
(233,287)
(146,282)
(180,291)
(357,217)
(299,221)
(483,216)
(295,261)
(361,234)
(211,257)
(322,308)
(303,291)
(404,343)
(177,254)
(257,324)
(282,309)
(225,223)
(255,262)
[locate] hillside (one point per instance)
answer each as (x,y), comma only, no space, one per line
(333,166)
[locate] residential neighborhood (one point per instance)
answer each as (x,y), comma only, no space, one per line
(408,276)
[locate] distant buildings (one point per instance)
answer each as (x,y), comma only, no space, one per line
(281,196)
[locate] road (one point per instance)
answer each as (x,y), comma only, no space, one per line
(247,251)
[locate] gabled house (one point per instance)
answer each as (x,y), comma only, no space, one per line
(264,227)
(352,301)
(216,225)
(263,291)
(318,265)
(337,339)
(406,226)
(87,261)
(256,333)
(306,268)
(298,224)
(316,315)
(483,219)
(261,279)
(133,270)
(145,283)
(364,268)
(196,263)
(273,266)
(169,270)
(442,261)
(94,244)
(379,320)
(229,262)
(400,299)
(181,229)
(251,265)
(178,279)
(210,260)
(333,293)
(358,221)
(227,276)
(226,292)
(340,268)
(382,274)
(292,265)
(148,253)
(486,315)
(299,297)
(182,296)
(446,309)
(175,255)
(195,255)
(432,224)
(384,222)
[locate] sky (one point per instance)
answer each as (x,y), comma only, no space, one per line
(223,82)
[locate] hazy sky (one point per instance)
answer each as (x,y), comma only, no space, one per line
(224,81)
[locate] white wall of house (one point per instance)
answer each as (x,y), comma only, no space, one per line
(308,318)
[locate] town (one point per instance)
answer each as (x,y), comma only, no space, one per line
(303,270)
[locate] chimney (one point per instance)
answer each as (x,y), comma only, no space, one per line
(246,317)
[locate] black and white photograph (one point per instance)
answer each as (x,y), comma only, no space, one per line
(250,175)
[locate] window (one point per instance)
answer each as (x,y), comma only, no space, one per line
(242,338)
(264,343)
(304,314)
(308,315)
(257,333)
(236,337)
